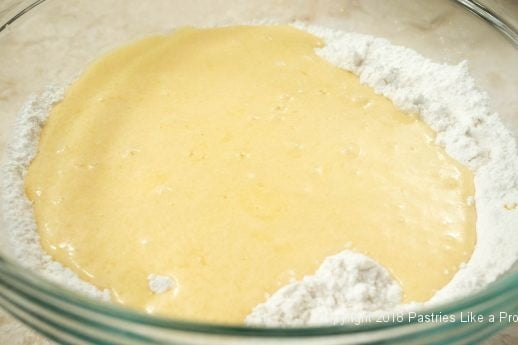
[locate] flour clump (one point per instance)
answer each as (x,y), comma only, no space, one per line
(160,284)
(344,284)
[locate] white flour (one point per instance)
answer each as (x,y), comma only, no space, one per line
(348,283)
(345,284)
(23,240)
(160,284)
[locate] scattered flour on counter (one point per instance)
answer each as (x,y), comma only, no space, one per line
(346,284)
(160,284)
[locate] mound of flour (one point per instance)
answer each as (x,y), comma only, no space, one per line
(346,284)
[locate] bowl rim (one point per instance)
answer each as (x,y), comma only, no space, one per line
(11,271)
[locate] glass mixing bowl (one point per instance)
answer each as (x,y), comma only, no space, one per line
(48,42)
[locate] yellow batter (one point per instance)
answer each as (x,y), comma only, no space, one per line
(235,159)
